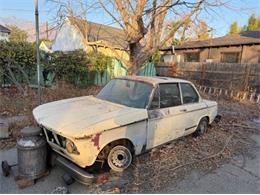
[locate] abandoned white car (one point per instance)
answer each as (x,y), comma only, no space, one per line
(129,116)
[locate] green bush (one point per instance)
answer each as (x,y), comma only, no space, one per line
(77,67)
(69,66)
(17,55)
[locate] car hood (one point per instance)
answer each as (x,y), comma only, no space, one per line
(83,116)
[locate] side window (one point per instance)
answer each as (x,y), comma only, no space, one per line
(155,102)
(169,95)
(189,95)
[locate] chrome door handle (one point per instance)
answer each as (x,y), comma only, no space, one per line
(183,110)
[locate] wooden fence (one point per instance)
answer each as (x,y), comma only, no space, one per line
(238,95)
(240,77)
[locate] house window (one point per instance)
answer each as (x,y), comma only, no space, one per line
(230,57)
(192,57)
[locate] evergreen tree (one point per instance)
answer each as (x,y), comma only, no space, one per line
(253,22)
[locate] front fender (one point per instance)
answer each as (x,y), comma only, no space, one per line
(89,147)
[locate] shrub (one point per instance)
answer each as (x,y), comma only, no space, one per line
(19,58)
(77,67)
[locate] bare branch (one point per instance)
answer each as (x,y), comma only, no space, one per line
(112,16)
(195,8)
(122,12)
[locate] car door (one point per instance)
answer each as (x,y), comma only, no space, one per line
(195,109)
(165,115)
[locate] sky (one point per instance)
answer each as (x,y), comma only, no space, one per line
(219,21)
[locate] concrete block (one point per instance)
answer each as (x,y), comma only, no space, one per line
(4,130)
(231,93)
(220,92)
(244,96)
(252,97)
(258,98)
(226,92)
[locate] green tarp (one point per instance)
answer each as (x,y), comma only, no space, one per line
(119,69)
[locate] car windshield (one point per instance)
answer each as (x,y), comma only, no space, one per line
(127,92)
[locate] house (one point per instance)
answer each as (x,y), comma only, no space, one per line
(237,48)
(76,33)
(4,33)
(46,46)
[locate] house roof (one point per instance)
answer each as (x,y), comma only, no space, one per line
(4,29)
(115,37)
(46,44)
(244,38)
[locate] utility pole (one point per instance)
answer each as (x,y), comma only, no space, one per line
(37,50)
(47,30)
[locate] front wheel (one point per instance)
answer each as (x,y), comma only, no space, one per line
(202,127)
(119,158)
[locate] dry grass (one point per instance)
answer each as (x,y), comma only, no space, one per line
(13,103)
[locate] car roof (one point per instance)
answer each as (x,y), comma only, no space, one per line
(154,80)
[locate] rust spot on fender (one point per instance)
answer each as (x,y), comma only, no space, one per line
(95,140)
(83,137)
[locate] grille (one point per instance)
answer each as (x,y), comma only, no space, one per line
(55,138)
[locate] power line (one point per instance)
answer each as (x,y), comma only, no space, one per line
(22,10)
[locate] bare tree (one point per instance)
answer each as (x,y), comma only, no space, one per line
(144,22)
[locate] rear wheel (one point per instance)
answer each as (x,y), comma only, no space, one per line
(119,158)
(202,127)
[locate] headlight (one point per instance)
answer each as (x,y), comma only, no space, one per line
(70,147)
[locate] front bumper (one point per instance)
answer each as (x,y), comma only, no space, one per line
(78,173)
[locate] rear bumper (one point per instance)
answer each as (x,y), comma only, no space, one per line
(75,171)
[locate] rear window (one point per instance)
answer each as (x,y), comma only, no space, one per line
(189,95)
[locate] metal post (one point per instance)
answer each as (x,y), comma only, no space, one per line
(37,50)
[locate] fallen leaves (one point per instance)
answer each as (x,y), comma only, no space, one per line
(171,162)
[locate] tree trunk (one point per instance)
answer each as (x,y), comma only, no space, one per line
(138,56)
(132,69)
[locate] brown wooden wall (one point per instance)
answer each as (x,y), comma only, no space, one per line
(248,54)
(223,75)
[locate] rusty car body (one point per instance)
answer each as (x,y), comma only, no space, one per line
(129,116)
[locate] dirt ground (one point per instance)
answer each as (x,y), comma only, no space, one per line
(225,160)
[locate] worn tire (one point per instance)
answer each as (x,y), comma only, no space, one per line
(202,127)
(119,158)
